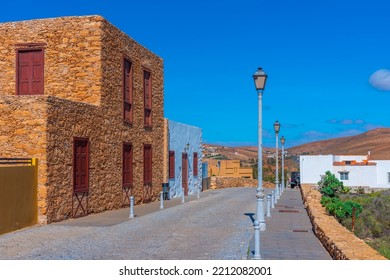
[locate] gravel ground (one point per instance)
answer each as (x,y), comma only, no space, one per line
(213,227)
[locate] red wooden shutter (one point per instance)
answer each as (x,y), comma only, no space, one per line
(127,166)
(147,90)
(147,164)
(127,91)
(30,72)
(184,169)
(147,99)
(171,164)
(195,163)
(81,165)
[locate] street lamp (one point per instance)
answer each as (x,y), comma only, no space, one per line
(277,128)
(259,78)
(282,140)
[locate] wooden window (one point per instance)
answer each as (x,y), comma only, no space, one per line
(195,163)
(147,164)
(80,165)
(127,166)
(127,91)
(29,78)
(171,164)
(147,99)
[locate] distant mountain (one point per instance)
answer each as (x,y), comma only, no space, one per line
(376,141)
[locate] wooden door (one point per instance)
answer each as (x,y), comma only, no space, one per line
(147,194)
(80,177)
(127,173)
(81,165)
(185,173)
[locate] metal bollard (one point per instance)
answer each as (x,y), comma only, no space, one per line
(273,199)
(161,200)
(131,207)
(269,205)
(182,195)
(256,227)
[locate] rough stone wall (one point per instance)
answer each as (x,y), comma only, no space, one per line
(72,48)
(340,242)
(116,46)
(23,134)
(82,98)
(230,182)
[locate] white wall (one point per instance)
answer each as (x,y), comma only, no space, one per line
(313,166)
(179,135)
(383,168)
(344,158)
(358,176)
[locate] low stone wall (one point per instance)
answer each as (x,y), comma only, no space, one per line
(218,182)
(338,241)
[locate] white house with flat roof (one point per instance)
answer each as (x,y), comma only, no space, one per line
(353,171)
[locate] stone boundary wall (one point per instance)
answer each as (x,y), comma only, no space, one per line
(338,241)
(232,182)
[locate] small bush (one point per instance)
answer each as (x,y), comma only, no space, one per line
(330,186)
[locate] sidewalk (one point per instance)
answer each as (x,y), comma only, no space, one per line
(289,234)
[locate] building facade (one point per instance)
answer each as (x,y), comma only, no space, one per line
(183,158)
(87,101)
(353,171)
(228,168)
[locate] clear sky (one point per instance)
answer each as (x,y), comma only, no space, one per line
(328,61)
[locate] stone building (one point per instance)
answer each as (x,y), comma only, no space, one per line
(228,168)
(87,101)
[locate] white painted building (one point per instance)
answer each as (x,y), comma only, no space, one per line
(353,171)
(184,159)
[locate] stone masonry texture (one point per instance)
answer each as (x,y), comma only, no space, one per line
(339,242)
(83,98)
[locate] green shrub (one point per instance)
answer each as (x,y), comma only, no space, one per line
(330,186)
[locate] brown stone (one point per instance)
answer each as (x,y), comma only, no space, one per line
(83,58)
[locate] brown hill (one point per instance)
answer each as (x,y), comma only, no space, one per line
(376,141)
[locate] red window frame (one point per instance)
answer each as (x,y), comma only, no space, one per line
(80,165)
(147,164)
(127,171)
(195,164)
(30,62)
(127,91)
(147,85)
(171,165)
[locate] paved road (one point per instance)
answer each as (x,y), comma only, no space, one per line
(215,226)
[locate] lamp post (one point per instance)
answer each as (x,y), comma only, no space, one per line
(259,78)
(277,128)
(283,140)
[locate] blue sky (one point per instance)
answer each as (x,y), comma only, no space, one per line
(328,62)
